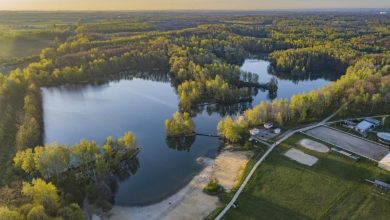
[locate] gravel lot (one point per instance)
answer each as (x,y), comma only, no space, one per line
(350,143)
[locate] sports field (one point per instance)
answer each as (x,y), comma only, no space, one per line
(333,188)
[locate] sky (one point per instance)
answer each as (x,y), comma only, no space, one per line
(187,4)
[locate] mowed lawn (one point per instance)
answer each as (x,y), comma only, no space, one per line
(334,188)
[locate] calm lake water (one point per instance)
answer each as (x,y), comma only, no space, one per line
(93,112)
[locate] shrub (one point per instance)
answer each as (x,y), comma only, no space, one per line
(213,187)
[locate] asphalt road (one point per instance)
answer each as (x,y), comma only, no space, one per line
(356,145)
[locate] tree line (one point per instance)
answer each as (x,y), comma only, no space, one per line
(43,201)
(86,157)
(313,59)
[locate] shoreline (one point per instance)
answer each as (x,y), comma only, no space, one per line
(191,201)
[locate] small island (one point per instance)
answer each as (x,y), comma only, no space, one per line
(180,124)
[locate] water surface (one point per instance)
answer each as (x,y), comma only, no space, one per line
(286,87)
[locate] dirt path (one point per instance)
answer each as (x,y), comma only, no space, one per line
(190,202)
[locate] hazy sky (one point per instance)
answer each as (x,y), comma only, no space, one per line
(186,4)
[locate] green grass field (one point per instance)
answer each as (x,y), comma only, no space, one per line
(22,46)
(334,188)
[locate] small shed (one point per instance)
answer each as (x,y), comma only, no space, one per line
(277,130)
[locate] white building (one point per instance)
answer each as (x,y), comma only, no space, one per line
(254,131)
(268,125)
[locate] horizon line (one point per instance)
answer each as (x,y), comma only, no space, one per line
(199,10)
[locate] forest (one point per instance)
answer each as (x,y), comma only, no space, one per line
(201,52)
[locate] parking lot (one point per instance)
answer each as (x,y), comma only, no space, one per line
(265,134)
(359,146)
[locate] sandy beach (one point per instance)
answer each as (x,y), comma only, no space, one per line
(191,202)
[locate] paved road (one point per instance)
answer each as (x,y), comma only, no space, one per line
(356,145)
(248,177)
(261,141)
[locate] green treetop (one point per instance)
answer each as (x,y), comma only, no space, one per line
(180,124)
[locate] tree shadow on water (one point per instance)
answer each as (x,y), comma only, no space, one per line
(183,143)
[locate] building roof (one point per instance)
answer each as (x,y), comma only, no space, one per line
(373,121)
(384,136)
(364,125)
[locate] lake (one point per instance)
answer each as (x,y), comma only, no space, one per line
(286,87)
(141,105)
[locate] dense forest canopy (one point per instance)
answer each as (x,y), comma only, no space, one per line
(200,51)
